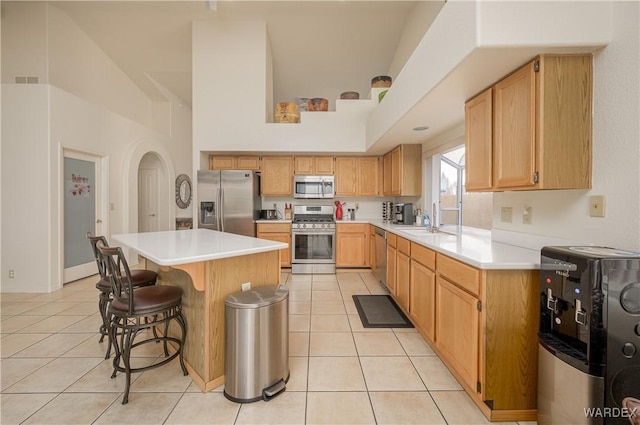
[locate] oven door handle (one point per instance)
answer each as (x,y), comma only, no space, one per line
(313,232)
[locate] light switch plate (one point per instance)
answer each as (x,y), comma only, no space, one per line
(527,215)
(597,206)
(506,214)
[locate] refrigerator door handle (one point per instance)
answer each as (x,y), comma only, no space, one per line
(221,204)
(218,224)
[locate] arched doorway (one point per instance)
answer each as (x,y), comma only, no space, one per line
(148,154)
(151,175)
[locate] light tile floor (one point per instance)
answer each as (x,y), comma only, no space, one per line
(53,368)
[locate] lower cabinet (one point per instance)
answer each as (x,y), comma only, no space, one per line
(372,250)
(352,245)
(403,261)
(391,263)
(422,290)
(457,319)
(278,232)
(482,323)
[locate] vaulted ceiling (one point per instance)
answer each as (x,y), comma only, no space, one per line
(320,48)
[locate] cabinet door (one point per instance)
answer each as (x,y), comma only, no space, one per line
(368,176)
(303,165)
(350,249)
(478,139)
(422,299)
(514,156)
(324,165)
(277,176)
(372,250)
(457,319)
(391,269)
(396,171)
(248,163)
(386,172)
(285,254)
(346,176)
(402,280)
(222,162)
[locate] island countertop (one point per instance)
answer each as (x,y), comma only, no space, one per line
(175,247)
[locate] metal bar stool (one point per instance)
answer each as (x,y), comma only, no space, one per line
(133,311)
(140,278)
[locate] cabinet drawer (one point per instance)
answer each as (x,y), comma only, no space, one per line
(392,239)
(274,227)
(424,256)
(352,227)
(404,246)
(459,273)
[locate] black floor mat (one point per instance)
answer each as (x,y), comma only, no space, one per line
(380,311)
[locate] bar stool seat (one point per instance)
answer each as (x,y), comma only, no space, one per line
(134,310)
(149,300)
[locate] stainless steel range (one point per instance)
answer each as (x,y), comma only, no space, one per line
(313,237)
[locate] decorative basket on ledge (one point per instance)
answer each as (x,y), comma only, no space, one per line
(287,112)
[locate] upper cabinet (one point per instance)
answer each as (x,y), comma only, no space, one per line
(277,176)
(532,129)
(251,162)
(357,176)
(313,165)
(403,171)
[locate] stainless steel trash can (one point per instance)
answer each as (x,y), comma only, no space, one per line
(256,343)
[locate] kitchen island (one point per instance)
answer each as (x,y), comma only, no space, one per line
(207,265)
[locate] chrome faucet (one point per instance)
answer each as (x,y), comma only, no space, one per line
(433,228)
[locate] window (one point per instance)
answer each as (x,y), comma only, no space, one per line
(456,206)
(451,181)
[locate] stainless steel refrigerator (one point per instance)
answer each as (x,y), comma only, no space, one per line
(229,201)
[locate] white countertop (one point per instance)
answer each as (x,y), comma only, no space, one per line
(173,247)
(472,246)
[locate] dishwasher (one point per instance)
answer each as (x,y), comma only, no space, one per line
(381,255)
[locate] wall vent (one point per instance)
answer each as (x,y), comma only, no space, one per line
(26,80)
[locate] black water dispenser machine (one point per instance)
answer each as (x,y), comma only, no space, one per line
(589,338)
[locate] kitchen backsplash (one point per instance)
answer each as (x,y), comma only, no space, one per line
(368,208)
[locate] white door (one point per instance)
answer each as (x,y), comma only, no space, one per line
(82,207)
(147,200)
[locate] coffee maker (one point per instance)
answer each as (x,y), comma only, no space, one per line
(404,214)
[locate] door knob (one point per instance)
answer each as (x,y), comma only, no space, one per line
(152,215)
(98,221)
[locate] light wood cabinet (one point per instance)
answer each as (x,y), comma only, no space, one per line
(403,171)
(422,290)
(372,250)
(226,162)
(279,232)
(478,140)
(313,165)
(352,245)
(391,263)
(403,269)
(540,124)
(368,179)
(277,176)
(357,176)
(346,176)
(486,332)
(457,325)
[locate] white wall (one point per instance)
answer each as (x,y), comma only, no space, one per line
(41,119)
(232,70)
(616,154)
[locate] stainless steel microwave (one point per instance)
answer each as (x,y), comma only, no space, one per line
(313,187)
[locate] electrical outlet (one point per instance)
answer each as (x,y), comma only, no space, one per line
(597,206)
(527,215)
(12,274)
(246,286)
(506,214)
